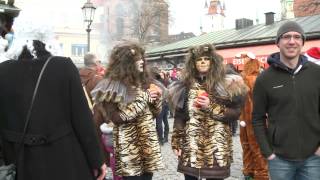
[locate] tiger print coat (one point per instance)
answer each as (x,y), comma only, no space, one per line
(136,146)
(204,136)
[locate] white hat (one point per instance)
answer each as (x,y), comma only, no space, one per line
(29,27)
(248,54)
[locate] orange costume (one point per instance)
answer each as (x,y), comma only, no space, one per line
(254,164)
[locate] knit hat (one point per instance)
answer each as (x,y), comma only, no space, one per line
(313,55)
(290,26)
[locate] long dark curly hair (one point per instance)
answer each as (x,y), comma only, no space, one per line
(122,65)
(216,73)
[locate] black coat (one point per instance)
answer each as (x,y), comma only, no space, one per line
(61,143)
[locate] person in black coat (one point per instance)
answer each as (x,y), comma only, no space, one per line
(61,142)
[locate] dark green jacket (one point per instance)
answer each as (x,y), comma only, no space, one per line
(290,100)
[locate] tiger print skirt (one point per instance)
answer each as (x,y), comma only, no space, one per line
(208,142)
(137,149)
(204,135)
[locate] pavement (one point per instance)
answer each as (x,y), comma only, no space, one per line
(170,161)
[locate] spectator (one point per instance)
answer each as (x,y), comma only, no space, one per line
(254,164)
(101,69)
(286,95)
(60,141)
(173,75)
(107,139)
(89,74)
(162,118)
(231,69)
(90,77)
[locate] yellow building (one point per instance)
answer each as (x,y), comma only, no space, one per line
(67,19)
(73,42)
(114,21)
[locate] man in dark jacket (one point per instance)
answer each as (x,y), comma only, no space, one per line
(287,96)
(90,77)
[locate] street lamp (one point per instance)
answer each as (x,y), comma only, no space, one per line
(88,15)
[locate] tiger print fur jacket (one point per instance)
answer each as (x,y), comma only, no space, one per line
(132,112)
(204,136)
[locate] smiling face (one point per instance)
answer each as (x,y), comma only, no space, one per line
(290,45)
(203,64)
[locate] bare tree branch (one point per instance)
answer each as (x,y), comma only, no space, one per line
(150,16)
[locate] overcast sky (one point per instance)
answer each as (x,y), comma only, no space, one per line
(186,14)
(57,12)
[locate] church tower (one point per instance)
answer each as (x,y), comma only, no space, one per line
(214,14)
(287,9)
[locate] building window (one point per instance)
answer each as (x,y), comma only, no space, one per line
(78,49)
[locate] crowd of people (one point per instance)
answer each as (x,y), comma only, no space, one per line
(82,121)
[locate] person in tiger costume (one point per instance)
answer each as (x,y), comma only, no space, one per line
(204,102)
(131,99)
(254,164)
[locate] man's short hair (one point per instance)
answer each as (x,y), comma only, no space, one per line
(90,59)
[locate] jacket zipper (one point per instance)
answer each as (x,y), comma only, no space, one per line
(296,105)
(294,90)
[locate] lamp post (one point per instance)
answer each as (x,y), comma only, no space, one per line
(88,15)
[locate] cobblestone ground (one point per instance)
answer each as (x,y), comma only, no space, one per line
(170,160)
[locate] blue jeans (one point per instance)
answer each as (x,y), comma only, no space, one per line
(281,169)
(163,117)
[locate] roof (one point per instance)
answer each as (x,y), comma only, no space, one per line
(9,10)
(181,36)
(253,35)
